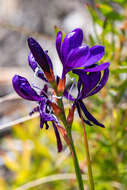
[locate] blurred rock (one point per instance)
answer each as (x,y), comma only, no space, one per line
(35,16)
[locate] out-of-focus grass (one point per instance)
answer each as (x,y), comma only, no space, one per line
(34,154)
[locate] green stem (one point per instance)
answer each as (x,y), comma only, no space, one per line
(71,146)
(76,163)
(91,181)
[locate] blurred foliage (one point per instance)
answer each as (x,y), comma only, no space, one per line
(31,153)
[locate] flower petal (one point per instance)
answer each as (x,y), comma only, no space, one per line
(87,122)
(44,114)
(101,84)
(36,109)
(88,115)
(96,53)
(58,43)
(39,55)
(79,113)
(41,123)
(89,81)
(35,68)
(23,89)
(47,126)
(44,91)
(79,83)
(59,143)
(97,68)
(32,62)
(76,58)
(40,74)
(48,60)
(68,96)
(72,40)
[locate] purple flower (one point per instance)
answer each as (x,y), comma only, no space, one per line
(74,55)
(23,89)
(81,60)
(89,83)
(40,57)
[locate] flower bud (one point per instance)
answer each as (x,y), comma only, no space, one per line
(61,85)
(70,116)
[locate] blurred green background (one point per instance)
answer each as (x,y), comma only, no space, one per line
(29,155)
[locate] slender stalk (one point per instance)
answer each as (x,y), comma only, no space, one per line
(90,176)
(76,164)
(71,147)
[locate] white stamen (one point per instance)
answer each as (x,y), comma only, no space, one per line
(72,86)
(36,72)
(58,97)
(35,87)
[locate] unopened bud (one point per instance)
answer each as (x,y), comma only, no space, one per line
(56,109)
(50,76)
(61,85)
(64,134)
(70,116)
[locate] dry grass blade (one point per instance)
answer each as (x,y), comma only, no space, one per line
(23,31)
(12,96)
(56,177)
(17,121)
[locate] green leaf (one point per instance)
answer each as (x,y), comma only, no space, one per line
(120,1)
(115,16)
(119,70)
(109,12)
(105,8)
(122,88)
(95,17)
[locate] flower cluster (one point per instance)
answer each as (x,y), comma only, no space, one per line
(74,55)
(81,60)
